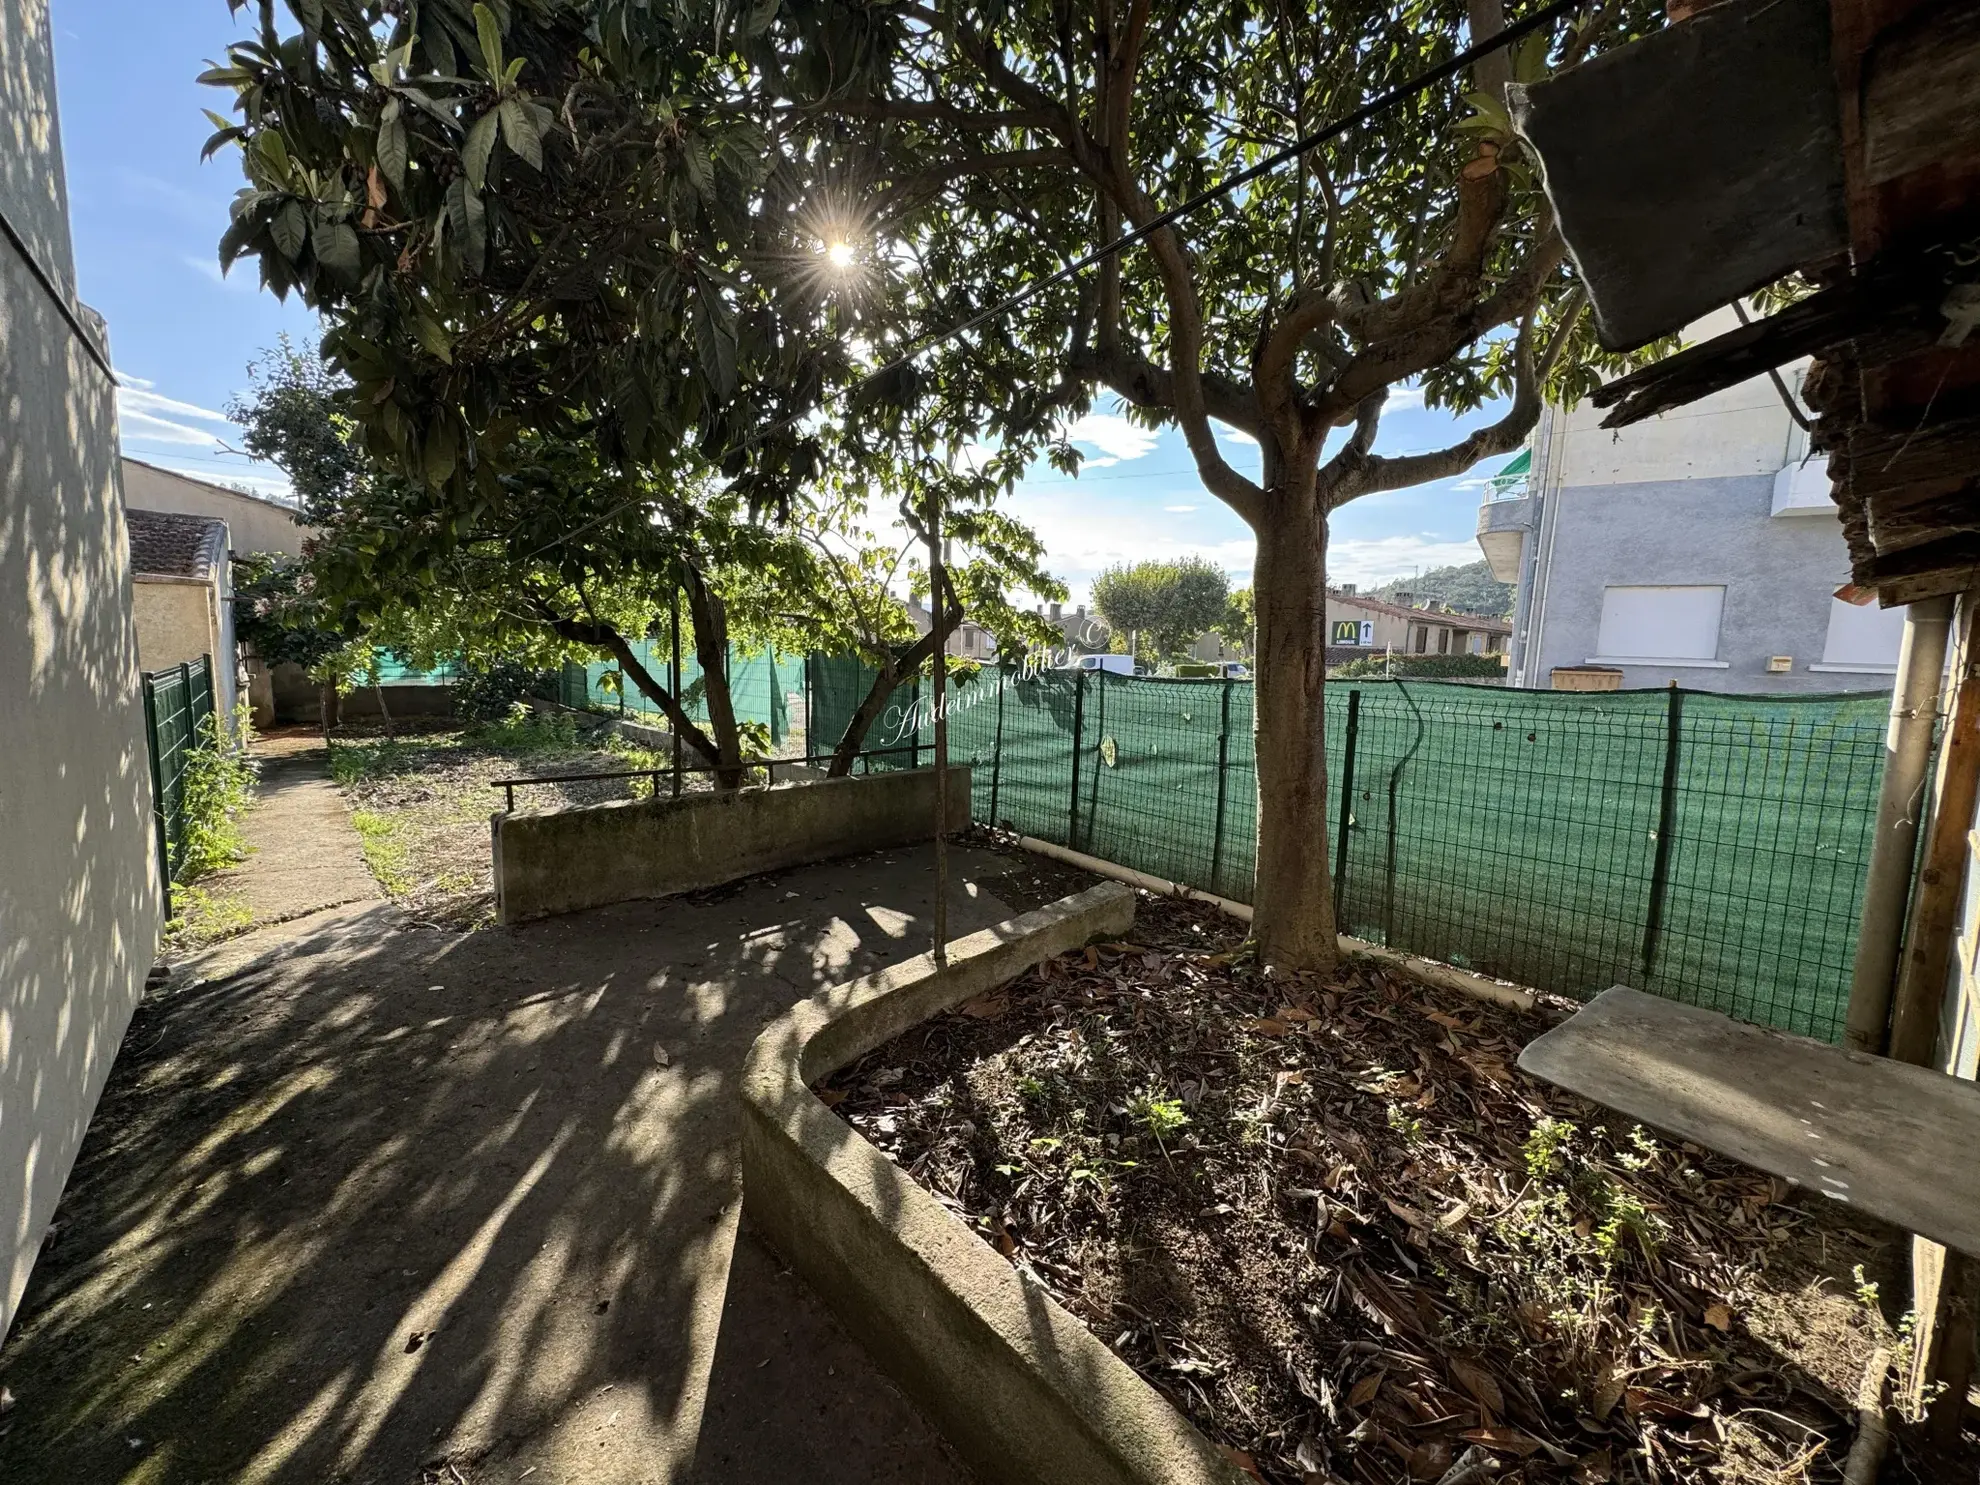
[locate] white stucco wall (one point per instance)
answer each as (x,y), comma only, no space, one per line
(79,896)
(252,525)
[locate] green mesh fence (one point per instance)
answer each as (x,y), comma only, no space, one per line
(1703,847)
(760,685)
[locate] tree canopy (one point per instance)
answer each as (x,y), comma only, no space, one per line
(996,144)
(1167,604)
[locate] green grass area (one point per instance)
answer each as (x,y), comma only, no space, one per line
(202,916)
(386,850)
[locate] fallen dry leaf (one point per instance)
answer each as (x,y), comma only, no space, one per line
(986,1007)
(1480,1384)
(1504,1440)
(1243,1461)
(1719,1317)
(1365,1390)
(833,1097)
(1268,1027)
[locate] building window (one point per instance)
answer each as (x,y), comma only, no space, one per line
(1421,641)
(1862,638)
(1661,624)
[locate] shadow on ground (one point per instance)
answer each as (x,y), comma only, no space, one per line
(389,1199)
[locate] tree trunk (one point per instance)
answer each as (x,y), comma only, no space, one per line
(1293,895)
(711,651)
(891,676)
(384,712)
(326,706)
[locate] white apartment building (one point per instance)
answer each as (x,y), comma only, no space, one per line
(1700,547)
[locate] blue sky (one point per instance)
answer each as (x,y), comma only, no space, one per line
(147,215)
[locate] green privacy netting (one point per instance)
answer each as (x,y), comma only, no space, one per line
(1512,832)
(759,685)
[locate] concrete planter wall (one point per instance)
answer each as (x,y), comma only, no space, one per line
(1019,1386)
(561,860)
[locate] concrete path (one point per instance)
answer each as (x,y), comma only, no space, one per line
(306,855)
(375,1202)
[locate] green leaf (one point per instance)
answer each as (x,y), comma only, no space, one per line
(433,335)
(289,231)
(336,245)
(716,341)
(274,153)
(519,132)
(441,453)
(480,145)
(469,219)
(394,151)
(490,34)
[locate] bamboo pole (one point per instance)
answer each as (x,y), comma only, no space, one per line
(1945,1284)
(1900,805)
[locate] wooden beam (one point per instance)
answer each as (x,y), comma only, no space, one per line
(1828,318)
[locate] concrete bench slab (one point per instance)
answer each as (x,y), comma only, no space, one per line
(1894,1140)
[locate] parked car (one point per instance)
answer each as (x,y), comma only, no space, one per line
(1117,664)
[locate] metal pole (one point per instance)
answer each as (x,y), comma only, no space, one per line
(1660,867)
(675,682)
(1079,724)
(997,747)
(939,662)
(1900,804)
(1223,765)
(157,794)
(1347,803)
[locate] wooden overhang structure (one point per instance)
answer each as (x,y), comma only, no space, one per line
(1837,140)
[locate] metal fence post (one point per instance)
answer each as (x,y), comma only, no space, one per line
(997,745)
(1347,803)
(1223,766)
(1079,726)
(914,713)
(674,683)
(157,793)
(1660,869)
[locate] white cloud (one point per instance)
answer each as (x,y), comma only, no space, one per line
(1372,561)
(1112,435)
(152,417)
(1401,398)
(1179,510)
(1235,435)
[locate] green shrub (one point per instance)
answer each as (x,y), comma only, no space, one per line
(216,787)
(488,693)
(527,733)
(1424,667)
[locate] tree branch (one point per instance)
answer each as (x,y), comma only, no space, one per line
(1502,437)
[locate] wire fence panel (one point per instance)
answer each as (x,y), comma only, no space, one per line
(176,702)
(758,684)
(1707,848)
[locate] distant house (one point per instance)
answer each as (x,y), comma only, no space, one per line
(971,641)
(182,596)
(1700,547)
(254,524)
(1358,625)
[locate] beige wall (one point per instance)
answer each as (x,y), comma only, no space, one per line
(174,622)
(1742,430)
(79,895)
(252,525)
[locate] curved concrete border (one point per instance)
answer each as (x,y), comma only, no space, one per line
(1021,1388)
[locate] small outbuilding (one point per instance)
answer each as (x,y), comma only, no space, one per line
(182,596)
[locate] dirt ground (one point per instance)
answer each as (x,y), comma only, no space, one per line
(370,1201)
(421,801)
(1334,1224)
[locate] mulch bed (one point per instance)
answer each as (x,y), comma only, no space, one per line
(1339,1230)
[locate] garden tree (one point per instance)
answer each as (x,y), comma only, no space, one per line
(280,614)
(998,142)
(838,593)
(1168,603)
(561,273)
(1238,623)
(579,296)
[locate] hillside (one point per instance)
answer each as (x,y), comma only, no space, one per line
(1470,589)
